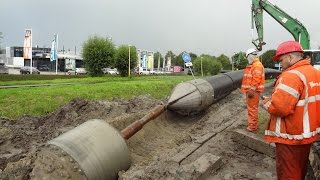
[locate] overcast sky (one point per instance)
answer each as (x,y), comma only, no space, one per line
(200,26)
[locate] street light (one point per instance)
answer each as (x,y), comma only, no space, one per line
(233,61)
(129,61)
(201,67)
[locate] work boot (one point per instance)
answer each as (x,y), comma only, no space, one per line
(251,130)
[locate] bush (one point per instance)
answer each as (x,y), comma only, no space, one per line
(98,53)
(210,66)
(122,59)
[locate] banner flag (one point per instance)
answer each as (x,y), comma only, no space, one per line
(53,53)
(27,45)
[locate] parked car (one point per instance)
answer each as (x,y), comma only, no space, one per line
(26,70)
(77,71)
(142,71)
(158,72)
(44,68)
(3,69)
(152,72)
(110,71)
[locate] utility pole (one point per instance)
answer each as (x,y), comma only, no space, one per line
(159,61)
(232,63)
(201,67)
(129,62)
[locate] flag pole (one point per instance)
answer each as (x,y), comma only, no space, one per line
(56,49)
(31,53)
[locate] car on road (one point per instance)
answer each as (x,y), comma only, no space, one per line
(158,72)
(43,68)
(77,71)
(142,71)
(110,71)
(26,70)
(3,69)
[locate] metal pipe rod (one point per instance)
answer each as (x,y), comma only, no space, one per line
(133,128)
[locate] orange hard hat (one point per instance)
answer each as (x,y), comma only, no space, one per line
(287,47)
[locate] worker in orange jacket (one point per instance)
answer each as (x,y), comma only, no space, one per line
(253,85)
(294,108)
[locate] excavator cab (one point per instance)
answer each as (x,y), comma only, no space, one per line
(314,56)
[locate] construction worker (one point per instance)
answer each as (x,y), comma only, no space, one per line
(253,85)
(294,108)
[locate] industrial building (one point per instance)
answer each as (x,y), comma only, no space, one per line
(13,58)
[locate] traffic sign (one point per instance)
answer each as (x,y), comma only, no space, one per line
(188,64)
(186,57)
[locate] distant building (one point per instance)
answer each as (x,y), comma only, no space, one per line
(145,60)
(168,66)
(40,58)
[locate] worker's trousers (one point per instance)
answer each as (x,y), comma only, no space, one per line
(292,161)
(252,106)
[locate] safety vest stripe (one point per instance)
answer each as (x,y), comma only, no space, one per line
(266,105)
(257,72)
(306,121)
(290,136)
(278,125)
(311,99)
(289,90)
(252,87)
(250,75)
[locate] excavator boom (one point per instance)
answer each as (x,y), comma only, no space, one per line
(295,27)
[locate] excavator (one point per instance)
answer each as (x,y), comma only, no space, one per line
(295,27)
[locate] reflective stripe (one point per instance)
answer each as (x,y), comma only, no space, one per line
(257,72)
(306,120)
(290,136)
(267,104)
(311,99)
(247,75)
(245,86)
(289,90)
(252,87)
(278,125)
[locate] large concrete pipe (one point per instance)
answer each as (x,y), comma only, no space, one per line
(97,148)
(196,95)
(94,150)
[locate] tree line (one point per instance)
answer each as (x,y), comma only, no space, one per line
(99,52)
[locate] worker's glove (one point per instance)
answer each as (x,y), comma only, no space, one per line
(266,102)
(250,94)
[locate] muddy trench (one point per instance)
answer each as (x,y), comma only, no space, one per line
(151,148)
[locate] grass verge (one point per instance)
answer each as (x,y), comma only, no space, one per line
(37,101)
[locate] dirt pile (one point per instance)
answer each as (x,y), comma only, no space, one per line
(151,148)
(20,139)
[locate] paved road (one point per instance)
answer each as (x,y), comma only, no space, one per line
(17,71)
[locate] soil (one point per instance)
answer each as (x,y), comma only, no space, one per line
(151,148)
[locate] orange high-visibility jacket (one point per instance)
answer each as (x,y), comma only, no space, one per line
(295,106)
(253,77)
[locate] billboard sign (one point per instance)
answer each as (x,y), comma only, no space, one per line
(27,46)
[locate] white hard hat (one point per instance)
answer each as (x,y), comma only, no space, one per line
(251,51)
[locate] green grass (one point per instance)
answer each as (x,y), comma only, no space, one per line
(263,121)
(37,101)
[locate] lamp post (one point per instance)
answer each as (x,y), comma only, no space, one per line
(201,67)
(129,62)
(233,61)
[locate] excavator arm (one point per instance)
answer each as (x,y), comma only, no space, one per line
(296,28)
